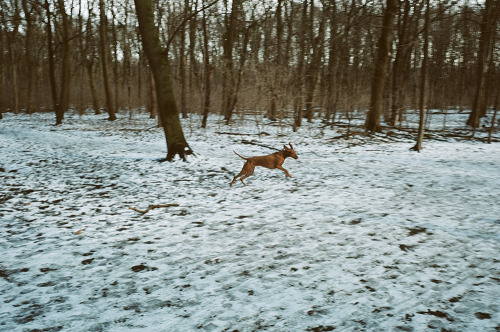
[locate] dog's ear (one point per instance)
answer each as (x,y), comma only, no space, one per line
(291,147)
(285,147)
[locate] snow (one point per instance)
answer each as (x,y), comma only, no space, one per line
(367,235)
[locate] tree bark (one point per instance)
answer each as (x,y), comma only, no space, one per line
(158,60)
(331,74)
(494,118)
(313,68)
(11,32)
(28,54)
(228,82)
(276,79)
(113,56)
(372,123)
(89,62)
(207,72)
(64,94)
(183,64)
(488,23)
(233,97)
(402,62)
(50,50)
(110,105)
(2,78)
(299,78)
(423,82)
(153,102)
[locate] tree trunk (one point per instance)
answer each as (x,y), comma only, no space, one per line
(299,78)
(158,60)
(207,72)
(400,72)
(193,74)
(490,17)
(278,60)
(331,74)
(228,73)
(50,49)
(372,123)
(11,28)
(64,93)
(29,56)
(93,90)
(313,69)
(2,78)
(153,101)
(113,56)
(423,82)
(103,32)
(89,63)
(233,97)
(494,118)
(183,64)
(126,43)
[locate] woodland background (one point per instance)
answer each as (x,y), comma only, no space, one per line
(366,236)
(301,59)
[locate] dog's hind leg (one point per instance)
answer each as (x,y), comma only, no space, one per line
(249,172)
(234,179)
(243,171)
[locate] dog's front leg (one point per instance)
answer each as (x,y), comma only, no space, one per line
(284,170)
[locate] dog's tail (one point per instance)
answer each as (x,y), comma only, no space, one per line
(240,155)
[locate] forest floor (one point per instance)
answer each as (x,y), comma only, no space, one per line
(366,236)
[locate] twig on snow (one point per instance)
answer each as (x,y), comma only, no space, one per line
(152,207)
(253,142)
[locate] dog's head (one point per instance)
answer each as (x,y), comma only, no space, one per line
(291,151)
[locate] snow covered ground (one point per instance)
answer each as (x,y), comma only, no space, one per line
(364,237)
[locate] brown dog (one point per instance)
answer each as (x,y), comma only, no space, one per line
(271,161)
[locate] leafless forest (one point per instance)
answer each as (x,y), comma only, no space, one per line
(284,59)
(362,235)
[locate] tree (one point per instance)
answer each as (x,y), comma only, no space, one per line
(423,80)
(60,99)
(276,77)
(238,76)
(2,78)
(158,60)
(207,72)
(314,65)
(64,96)
(51,56)
(89,61)
(496,108)
(103,33)
(330,77)
(486,43)
(11,28)
(281,58)
(402,61)
(183,63)
(27,9)
(229,81)
(372,123)
(299,79)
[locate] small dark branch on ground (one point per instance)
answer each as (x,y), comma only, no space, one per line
(259,144)
(263,133)
(152,207)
